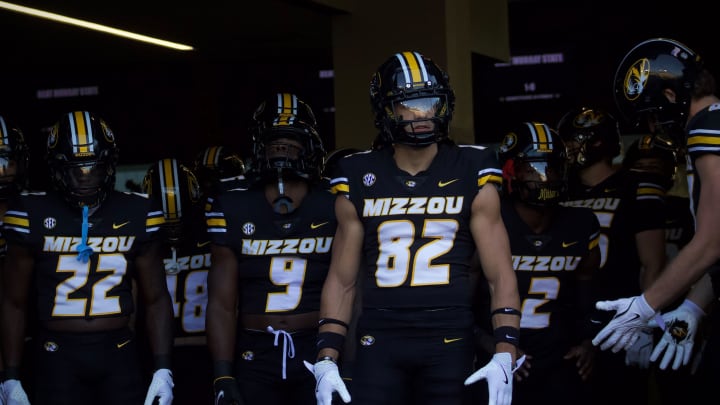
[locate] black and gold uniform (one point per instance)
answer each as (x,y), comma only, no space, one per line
(271,248)
(417,249)
(67,288)
(625,203)
(554,299)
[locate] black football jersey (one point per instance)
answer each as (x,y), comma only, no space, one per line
(186,271)
(625,204)
(66,287)
(417,245)
(545,265)
(703,137)
(283,259)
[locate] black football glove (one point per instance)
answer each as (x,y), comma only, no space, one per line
(227,391)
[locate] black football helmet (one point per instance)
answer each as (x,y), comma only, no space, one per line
(82,157)
(590,134)
(215,163)
(285,139)
(176,189)
(534,162)
(644,74)
(14,157)
(406,92)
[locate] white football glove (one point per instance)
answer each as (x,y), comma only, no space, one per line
(499,375)
(679,337)
(327,381)
(160,387)
(13,393)
(638,355)
(631,316)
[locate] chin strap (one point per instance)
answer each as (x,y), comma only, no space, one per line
(173,267)
(282,201)
(84,251)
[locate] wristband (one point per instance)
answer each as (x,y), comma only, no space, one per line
(506,311)
(223,368)
(326,358)
(325,321)
(507,334)
(330,340)
(12,373)
(162,361)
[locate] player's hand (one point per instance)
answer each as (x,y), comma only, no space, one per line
(679,337)
(638,355)
(327,381)
(13,393)
(227,391)
(631,315)
(498,373)
(160,388)
(584,355)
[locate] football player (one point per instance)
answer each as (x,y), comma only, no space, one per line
(414,211)
(663,83)
(76,248)
(14,157)
(270,251)
(555,256)
(630,207)
(186,256)
(218,168)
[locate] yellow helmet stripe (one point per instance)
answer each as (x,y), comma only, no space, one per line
(168,170)
(413,67)
(541,136)
(81,133)
(211,156)
(287,109)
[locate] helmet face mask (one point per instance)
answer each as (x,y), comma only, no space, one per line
(285,139)
(534,161)
(176,189)
(655,82)
(82,157)
(412,100)
(590,136)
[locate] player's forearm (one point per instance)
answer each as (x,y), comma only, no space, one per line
(337,302)
(220,325)
(12,326)
(679,275)
(159,326)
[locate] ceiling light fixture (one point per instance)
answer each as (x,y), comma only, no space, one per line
(93,26)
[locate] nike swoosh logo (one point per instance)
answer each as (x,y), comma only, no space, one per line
(118,226)
(316,226)
(445,183)
(121,345)
(201,244)
(446,340)
(565,245)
